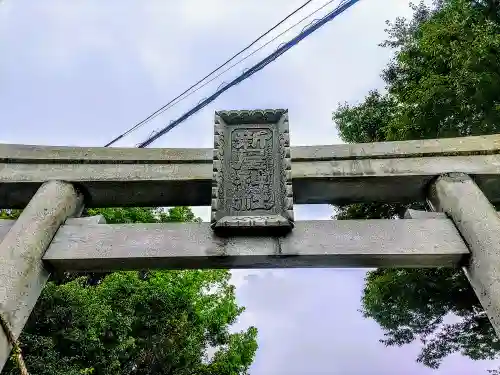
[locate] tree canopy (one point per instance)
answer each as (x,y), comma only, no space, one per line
(443,81)
(144,323)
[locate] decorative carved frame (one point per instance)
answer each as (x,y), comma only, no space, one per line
(283,221)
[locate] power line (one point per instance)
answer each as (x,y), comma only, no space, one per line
(159,111)
(343,6)
(180,99)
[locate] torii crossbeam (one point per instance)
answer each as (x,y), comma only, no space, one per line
(251,181)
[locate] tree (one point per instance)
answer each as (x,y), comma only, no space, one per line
(144,323)
(443,81)
(446,74)
(415,304)
(366,122)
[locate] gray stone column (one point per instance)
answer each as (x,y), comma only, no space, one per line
(22,275)
(457,195)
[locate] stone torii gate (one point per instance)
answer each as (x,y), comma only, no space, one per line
(251,179)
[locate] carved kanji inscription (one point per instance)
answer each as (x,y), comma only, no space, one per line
(251,169)
(252,189)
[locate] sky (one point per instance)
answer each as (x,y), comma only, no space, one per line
(79,73)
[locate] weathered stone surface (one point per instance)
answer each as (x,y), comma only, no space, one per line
(460,198)
(419,214)
(339,174)
(252,187)
(462,146)
(326,243)
(22,273)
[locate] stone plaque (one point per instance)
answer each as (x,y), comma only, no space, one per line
(252,182)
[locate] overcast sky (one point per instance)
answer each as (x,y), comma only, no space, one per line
(81,72)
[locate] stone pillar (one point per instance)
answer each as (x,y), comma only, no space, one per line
(22,274)
(460,198)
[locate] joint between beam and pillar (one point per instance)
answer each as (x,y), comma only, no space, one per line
(476,219)
(23,273)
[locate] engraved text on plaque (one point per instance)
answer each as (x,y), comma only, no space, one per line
(252,190)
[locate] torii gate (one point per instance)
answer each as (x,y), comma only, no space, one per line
(251,180)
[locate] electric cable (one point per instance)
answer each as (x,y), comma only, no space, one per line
(343,6)
(180,99)
(159,111)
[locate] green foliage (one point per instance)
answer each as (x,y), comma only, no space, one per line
(366,122)
(443,81)
(143,215)
(144,323)
(9,214)
(445,77)
(414,304)
(371,211)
